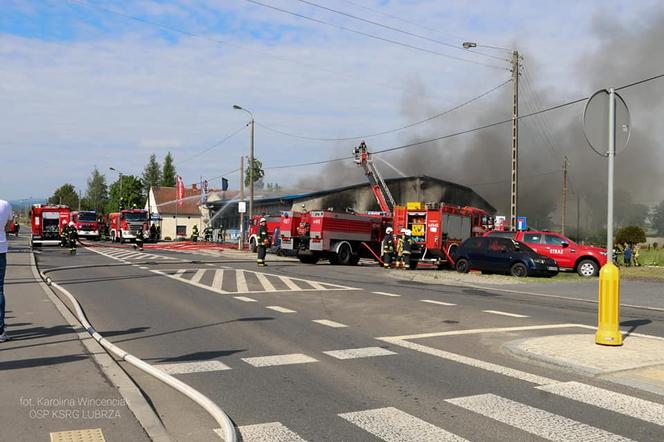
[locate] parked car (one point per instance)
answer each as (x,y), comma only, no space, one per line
(502,255)
(570,256)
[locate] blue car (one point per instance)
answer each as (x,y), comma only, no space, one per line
(502,255)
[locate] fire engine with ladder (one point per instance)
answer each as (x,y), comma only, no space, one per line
(436,228)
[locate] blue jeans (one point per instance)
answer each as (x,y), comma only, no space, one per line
(3,268)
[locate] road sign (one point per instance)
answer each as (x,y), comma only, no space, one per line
(242,207)
(521,223)
(596,122)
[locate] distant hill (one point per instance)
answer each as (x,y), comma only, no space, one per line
(23,204)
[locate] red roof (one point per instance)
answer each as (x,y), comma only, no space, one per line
(165,198)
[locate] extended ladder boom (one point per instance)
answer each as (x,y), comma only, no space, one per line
(378,186)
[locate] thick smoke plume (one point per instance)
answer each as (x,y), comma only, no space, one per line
(481,160)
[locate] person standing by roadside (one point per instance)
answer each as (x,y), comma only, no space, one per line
(627,255)
(5,216)
(263,242)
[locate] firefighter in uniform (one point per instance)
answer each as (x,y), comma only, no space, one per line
(407,249)
(263,242)
(64,234)
(399,249)
(388,248)
(139,239)
(207,233)
(72,236)
(194,233)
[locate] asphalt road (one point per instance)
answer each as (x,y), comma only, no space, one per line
(328,353)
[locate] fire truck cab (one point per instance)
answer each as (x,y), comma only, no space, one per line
(272,223)
(125,225)
(47,222)
(86,223)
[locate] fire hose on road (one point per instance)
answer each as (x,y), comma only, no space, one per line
(229,430)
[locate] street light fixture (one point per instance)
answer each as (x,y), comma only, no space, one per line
(514,189)
(120,178)
(251,162)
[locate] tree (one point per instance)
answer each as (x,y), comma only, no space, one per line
(152,174)
(657,218)
(168,172)
(630,234)
(259,173)
(96,196)
(132,193)
(66,195)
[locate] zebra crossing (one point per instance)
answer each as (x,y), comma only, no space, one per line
(227,280)
(126,254)
(394,425)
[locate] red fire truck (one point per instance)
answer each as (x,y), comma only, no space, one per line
(47,222)
(338,237)
(272,225)
(86,223)
(125,225)
(436,228)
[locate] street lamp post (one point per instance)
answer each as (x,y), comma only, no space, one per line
(514,187)
(120,178)
(251,163)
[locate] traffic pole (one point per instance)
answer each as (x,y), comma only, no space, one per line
(608,315)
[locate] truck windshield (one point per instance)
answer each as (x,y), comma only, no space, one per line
(87,217)
(136,216)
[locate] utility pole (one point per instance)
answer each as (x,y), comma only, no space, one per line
(251,172)
(79,200)
(240,242)
(578,217)
(564,205)
(514,197)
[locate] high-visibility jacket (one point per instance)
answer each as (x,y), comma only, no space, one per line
(388,244)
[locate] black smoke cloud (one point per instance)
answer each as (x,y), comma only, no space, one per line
(481,159)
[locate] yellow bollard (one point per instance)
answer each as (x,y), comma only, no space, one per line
(608,332)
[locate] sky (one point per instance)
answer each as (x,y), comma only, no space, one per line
(91,83)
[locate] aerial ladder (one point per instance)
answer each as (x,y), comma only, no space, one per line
(383,195)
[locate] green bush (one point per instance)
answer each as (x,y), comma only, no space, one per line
(630,234)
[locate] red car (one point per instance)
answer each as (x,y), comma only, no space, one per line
(570,256)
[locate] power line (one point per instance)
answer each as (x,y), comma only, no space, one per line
(216,144)
(392,28)
(432,117)
(375,37)
(220,42)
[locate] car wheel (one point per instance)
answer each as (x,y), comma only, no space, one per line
(519,270)
(587,268)
(462,265)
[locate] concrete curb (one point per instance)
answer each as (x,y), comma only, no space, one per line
(622,377)
(136,402)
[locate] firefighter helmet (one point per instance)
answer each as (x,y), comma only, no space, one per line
(262,220)
(388,230)
(71,224)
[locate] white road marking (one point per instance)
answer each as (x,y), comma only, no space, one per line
(289,283)
(533,420)
(267,285)
(484,330)
(385,294)
(329,323)
(143,268)
(134,265)
(609,400)
(316,285)
(218,279)
(276,308)
(241,281)
(269,361)
(431,301)
(197,276)
(488,366)
(179,273)
(393,425)
(270,432)
(512,315)
(193,367)
(354,353)
(244,298)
